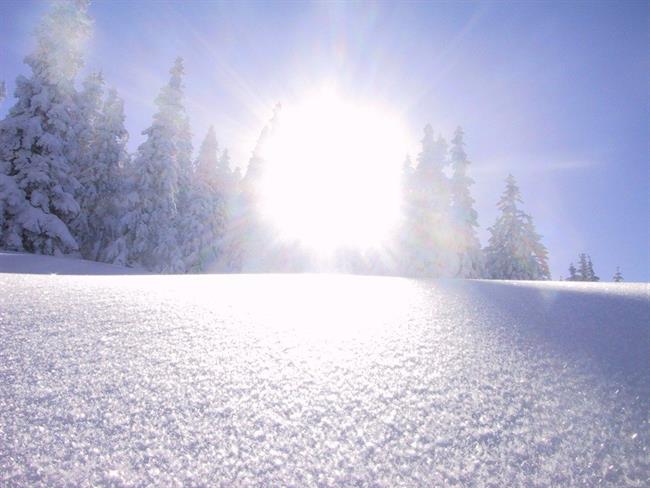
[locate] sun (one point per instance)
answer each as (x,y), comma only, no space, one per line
(332,175)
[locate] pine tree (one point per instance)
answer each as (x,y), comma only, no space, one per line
(205,221)
(160,165)
(515,250)
(585,269)
(248,243)
(111,163)
(427,251)
(572,273)
(38,139)
(229,179)
(590,270)
(89,104)
(207,163)
(464,216)
(3,92)
(403,238)
(407,175)
(618,277)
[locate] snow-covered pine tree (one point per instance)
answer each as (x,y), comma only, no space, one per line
(3,91)
(539,251)
(402,240)
(229,179)
(207,163)
(187,218)
(38,139)
(247,243)
(161,162)
(205,221)
(253,175)
(515,250)
(428,250)
(618,277)
(464,217)
(85,166)
(111,163)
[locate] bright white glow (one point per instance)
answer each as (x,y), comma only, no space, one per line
(333,172)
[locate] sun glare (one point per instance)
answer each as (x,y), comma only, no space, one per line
(333,172)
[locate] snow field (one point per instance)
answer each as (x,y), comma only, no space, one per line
(302,380)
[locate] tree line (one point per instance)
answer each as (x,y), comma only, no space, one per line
(69,186)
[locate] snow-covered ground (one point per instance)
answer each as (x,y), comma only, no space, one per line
(12,262)
(303,380)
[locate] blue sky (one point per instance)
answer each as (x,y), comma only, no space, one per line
(554,92)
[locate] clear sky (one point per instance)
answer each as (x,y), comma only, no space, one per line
(558,93)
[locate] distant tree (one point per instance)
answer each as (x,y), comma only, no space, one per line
(404,235)
(463,215)
(3,91)
(573,276)
(515,250)
(585,271)
(583,267)
(39,139)
(618,277)
(590,271)
(159,167)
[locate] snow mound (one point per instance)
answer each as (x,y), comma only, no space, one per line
(321,381)
(11,262)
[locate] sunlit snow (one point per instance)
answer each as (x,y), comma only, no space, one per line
(302,380)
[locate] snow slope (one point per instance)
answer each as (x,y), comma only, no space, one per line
(303,380)
(12,262)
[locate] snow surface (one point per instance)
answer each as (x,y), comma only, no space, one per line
(304,380)
(13,262)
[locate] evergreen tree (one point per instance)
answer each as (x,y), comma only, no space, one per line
(407,175)
(206,212)
(590,271)
(111,163)
(229,179)
(618,277)
(188,217)
(585,269)
(572,273)
(161,163)
(515,250)
(207,163)
(427,236)
(464,216)
(403,241)
(3,91)
(85,166)
(248,243)
(539,251)
(38,139)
